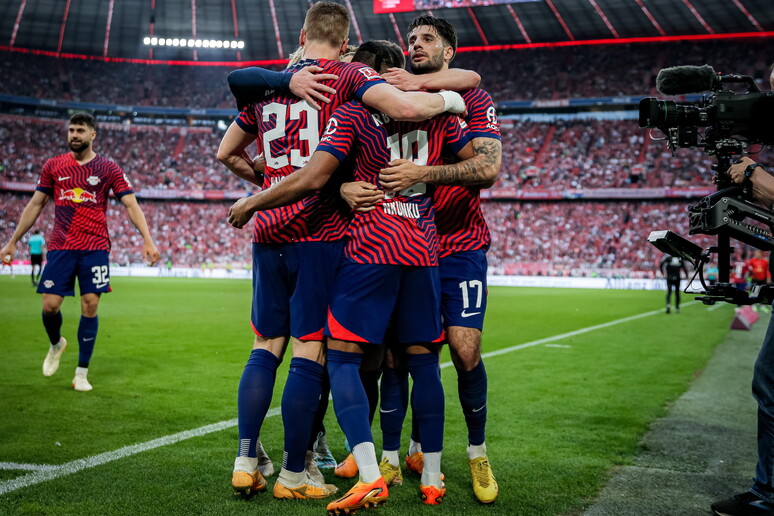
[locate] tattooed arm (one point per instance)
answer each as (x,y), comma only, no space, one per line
(479,170)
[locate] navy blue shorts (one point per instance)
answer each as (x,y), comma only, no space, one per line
(463,287)
(90,267)
(292,287)
(368,298)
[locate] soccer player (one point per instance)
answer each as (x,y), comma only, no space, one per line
(464,236)
(80,182)
(390,263)
(672,268)
(297,248)
(36,243)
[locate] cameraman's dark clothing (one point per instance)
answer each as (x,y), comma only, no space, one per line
(763,392)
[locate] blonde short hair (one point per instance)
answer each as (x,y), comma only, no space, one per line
(327,22)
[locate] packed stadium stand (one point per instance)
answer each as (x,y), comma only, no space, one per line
(535,74)
(627,182)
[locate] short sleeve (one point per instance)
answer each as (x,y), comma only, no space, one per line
(119,183)
(482,116)
(340,133)
(46,181)
(247,120)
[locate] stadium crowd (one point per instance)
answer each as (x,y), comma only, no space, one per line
(555,73)
(556,155)
(158,157)
(532,238)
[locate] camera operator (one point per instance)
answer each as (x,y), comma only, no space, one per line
(759,500)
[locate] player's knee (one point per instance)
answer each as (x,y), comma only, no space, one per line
(309,349)
(466,359)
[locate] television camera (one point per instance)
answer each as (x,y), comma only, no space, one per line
(722,124)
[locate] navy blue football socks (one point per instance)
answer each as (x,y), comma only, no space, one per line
(322,409)
(370,381)
(428,400)
(349,398)
(300,401)
(87,336)
(254,398)
(53,325)
(393,407)
(472,387)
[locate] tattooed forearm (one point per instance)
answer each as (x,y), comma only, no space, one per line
(480,170)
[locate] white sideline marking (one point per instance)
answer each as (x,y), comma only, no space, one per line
(568,334)
(69,468)
(25,467)
(715,307)
(563,346)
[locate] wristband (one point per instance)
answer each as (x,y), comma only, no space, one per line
(749,170)
(452,102)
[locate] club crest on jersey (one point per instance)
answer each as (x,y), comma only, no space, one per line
(369,73)
(77,195)
(93,180)
(330,129)
(48,283)
(491,116)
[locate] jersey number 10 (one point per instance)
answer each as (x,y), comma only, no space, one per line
(403,147)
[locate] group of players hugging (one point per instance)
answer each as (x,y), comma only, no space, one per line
(369,253)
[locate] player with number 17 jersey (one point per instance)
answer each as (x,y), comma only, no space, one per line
(289,130)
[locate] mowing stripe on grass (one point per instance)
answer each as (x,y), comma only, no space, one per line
(77,465)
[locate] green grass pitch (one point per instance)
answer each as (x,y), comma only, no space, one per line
(170,352)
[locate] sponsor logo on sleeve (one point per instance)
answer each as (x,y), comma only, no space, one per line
(369,73)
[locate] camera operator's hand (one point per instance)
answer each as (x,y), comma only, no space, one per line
(762,182)
(736,171)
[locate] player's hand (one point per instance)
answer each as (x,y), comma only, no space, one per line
(8,252)
(402,79)
(240,213)
(736,171)
(307,84)
(361,196)
(151,253)
(400,174)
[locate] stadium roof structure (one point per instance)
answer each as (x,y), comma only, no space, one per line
(114,29)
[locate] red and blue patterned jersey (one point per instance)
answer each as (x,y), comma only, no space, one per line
(80,195)
(288,130)
(401,230)
(461,225)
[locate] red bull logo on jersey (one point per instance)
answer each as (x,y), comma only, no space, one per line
(77,195)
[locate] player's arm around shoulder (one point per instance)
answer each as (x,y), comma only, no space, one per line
(149,249)
(454,79)
(412,106)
